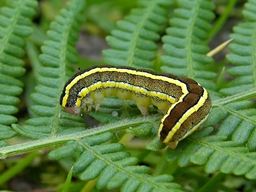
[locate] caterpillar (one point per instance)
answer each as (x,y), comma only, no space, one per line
(185,103)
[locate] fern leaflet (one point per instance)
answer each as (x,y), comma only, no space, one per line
(228,150)
(15,26)
(242,56)
(113,167)
(58,54)
(133,42)
(185,42)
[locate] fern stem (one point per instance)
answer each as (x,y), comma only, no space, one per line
(90,185)
(211,184)
(126,138)
(236,97)
(49,142)
(68,181)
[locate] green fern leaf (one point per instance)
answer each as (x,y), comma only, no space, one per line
(242,55)
(15,26)
(65,151)
(216,154)
(58,54)
(248,12)
(133,42)
(225,150)
(235,137)
(239,125)
(241,120)
(224,156)
(113,167)
(185,43)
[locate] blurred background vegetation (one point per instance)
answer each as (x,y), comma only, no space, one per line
(40,174)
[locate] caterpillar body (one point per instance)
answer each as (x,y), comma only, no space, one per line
(186,103)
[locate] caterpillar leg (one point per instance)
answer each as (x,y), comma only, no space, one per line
(142,102)
(172,145)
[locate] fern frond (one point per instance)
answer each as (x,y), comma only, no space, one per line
(239,123)
(228,147)
(133,42)
(228,151)
(224,156)
(15,26)
(58,55)
(243,53)
(241,115)
(216,153)
(185,43)
(112,166)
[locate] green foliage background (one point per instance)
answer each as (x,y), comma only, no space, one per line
(38,54)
